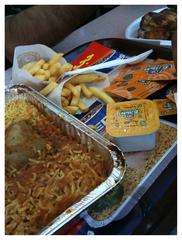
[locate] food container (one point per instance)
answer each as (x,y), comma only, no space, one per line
(132,29)
(133,124)
(114,161)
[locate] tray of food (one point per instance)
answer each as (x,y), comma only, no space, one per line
(55,166)
(90,97)
(154,27)
(143,167)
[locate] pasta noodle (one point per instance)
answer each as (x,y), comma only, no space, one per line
(51,181)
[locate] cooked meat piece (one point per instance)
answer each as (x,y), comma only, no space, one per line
(158,25)
(155,34)
(167,19)
(171,14)
(141,33)
(148,22)
(22,143)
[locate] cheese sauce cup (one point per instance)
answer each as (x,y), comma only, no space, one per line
(133,124)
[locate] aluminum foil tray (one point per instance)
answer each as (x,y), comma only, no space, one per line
(113,157)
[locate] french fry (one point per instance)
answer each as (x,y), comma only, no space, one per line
(45,91)
(101,95)
(40,72)
(78,89)
(55,59)
(75,100)
(64,102)
(35,68)
(50,70)
(54,69)
(53,79)
(40,77)
(47,74)
(86,91)
(86,78)
(71,109)
(65,92)
(65,68)
(70,97)
(82,106)
(45,66)
(28,66)
(71,88)
(92,127)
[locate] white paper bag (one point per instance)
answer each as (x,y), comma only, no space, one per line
(26,54)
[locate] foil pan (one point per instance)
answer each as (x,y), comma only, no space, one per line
(113,157)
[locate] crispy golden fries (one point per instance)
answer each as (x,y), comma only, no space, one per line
(47,75)
(56,58)
(40,77)
(78,90)
(52,79)
(40,72)
(65,68)
(45,66)
(82,106)
(101,95)
(75,100)
(86,78)
(92,127)
(36,67)
(45,91)
(71,88)
(64,101)
(71,109)
(28,66)
(54,69)
(65,92)
(50,71)
(86,91)
(76,97)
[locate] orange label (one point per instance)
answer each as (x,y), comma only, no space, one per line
(135,89)
(131,118)
(166,107)
(159,70)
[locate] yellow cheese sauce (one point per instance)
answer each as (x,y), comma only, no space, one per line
(132,118)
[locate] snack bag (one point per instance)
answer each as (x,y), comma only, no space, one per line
(91,55)
(171,97)
(135,89)
(166,107)
(96,53)
(159,70)
(171,91)
(29,54)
